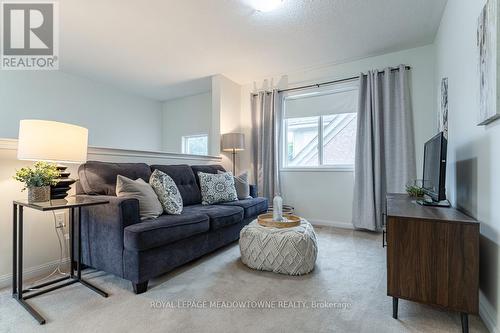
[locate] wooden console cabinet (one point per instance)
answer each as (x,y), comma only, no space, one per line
(432,256)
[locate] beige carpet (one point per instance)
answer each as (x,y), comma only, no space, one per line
(349,278)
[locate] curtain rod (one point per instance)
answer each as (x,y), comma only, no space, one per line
(317,85)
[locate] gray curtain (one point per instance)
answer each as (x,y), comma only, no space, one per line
(266,130)
(385,148)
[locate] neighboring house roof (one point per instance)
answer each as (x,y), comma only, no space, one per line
(330,131)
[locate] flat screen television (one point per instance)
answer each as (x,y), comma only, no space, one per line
(434,177)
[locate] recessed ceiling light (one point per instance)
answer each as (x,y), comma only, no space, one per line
(265,5)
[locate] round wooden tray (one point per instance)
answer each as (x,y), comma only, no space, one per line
(266,220)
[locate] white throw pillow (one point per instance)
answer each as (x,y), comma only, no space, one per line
(149,206)
(241,184)
(167,192)
(217,188)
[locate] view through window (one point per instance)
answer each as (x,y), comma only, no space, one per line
(195,144)
(320,127)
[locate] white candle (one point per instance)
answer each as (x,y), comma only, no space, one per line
(277,208)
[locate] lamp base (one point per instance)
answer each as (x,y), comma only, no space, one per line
(60,190)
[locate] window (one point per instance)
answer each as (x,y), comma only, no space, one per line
(195,144)
(302,143)
(320,128)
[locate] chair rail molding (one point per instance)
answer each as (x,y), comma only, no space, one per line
(11,144)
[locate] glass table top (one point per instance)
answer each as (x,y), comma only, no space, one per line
(69,202)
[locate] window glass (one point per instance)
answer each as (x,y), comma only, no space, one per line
(339,139)
(302,141)
(195,144)
(320,127)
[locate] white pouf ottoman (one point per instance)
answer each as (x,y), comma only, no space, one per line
(289,251)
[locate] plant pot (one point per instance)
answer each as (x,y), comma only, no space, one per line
(38,194)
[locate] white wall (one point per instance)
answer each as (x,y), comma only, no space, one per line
(111,115)
(326,197)
(473,179)
(226,101)
(189,115)
(213,113)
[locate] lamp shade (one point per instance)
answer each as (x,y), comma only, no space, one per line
(233,142)
(42,140)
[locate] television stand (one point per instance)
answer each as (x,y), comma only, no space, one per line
(432,257)
(430,202)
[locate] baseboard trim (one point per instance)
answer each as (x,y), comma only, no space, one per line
(487,314)
(32,272)
(336,224)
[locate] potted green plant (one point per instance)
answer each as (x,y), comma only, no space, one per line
(415,191)
(37,180)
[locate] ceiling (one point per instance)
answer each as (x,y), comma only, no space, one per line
(163,49)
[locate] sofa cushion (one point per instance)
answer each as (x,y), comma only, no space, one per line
(100,177)
(185,180)
(220,216)
(252,207)
(213,168)
(164,230)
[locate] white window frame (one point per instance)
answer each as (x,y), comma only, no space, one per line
(284,149)
(185,139)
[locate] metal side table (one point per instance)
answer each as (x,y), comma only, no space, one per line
(74,204)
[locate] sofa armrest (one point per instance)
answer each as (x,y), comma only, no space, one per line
(253,191)
(103,229)
(120,212)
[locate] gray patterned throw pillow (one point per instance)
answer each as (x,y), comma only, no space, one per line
(167,192)
(217,188)
(241,184)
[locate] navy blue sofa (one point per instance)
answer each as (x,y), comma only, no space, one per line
(115,240)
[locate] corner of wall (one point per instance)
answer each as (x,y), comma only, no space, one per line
(226,114)
(214,137)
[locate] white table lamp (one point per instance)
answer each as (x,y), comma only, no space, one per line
(51,141)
